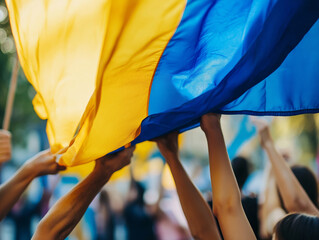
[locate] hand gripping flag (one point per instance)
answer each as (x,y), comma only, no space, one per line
(111,73)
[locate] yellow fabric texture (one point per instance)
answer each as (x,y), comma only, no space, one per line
(59,45)
(137,34)
(103,52)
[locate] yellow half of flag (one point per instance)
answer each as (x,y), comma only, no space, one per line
(92,61)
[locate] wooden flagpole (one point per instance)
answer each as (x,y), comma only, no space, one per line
(10,99)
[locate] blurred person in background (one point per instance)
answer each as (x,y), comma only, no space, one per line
(288,190)
(297,226)
(22,214)
(105,218)
(168,222)
(241,170)
(140,223)
(167,225)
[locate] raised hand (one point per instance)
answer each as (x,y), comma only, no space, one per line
(168,145)
(5,146)
(116,161)
(263,130)
(44,163)
(209,121)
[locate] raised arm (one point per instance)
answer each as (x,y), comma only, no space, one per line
(294,196)
(226,195)
(198,214)
(68,211)
(5,146)
(42,164)
(270,211)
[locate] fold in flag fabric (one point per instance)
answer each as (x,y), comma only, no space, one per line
(111,73)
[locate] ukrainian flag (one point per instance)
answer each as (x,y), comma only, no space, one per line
(111,73)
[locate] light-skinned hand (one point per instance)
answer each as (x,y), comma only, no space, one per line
(209,121)
(263,130)
(168,145)
(5,146)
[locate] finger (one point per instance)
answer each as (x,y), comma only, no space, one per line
(53,158)
(5,141)
(5,133)
(127,162)
(46,152)
(49,157)
(61,151)
(131,150)
(61,167)
(156,139)
(4,151)
(5,158)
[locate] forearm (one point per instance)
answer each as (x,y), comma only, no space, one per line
(268,198)
(198,214)
(11,191)
(68,211)
(221,171)
(270,203)
(293,195)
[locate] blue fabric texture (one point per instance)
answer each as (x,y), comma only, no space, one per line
(255,57)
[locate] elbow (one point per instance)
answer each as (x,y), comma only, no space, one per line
(203,233)
(198,236)
(226,205)
(296,204)
(49,231)
(44,231)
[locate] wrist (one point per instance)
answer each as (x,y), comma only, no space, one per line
(30,172)
(213,127)
(102,172)
(268,144)
(171,159)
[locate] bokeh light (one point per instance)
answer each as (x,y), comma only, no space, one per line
(8,45)
(3,13)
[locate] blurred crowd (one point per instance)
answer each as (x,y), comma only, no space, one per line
(222,200)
